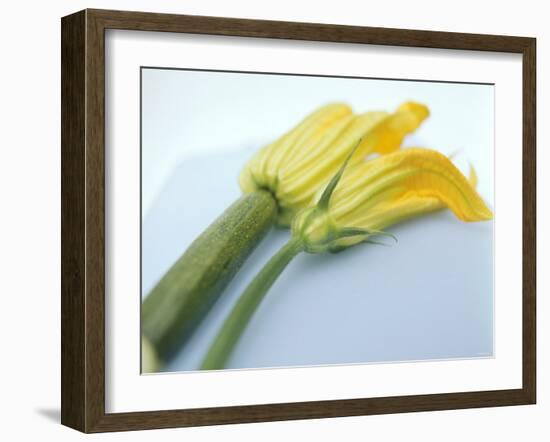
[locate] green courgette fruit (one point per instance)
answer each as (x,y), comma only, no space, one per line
(181,299)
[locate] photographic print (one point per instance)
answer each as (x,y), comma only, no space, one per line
(300,220)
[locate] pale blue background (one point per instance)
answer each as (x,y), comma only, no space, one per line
(430,296)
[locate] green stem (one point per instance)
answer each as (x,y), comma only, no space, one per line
(247,304)
(182,298)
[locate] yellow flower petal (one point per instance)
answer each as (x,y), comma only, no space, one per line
(295,166)
(401,209)
(473,177)
(262,169)
(404,184)
(388,135)
(301,180)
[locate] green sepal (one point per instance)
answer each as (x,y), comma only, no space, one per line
(329,190)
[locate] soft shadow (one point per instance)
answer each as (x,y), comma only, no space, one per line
(52,414)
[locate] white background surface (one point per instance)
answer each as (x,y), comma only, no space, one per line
(30,235)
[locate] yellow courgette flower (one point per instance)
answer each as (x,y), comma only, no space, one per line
(296,165)
(371,195)
(361,198)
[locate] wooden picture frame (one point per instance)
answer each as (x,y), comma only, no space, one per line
(83,220)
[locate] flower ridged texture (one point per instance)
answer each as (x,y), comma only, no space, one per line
(295,166)
(371,195)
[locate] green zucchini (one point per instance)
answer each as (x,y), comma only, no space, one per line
(181,299)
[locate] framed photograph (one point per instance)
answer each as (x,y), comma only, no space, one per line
(269,220)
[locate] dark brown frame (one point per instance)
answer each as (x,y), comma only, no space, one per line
(83,216)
